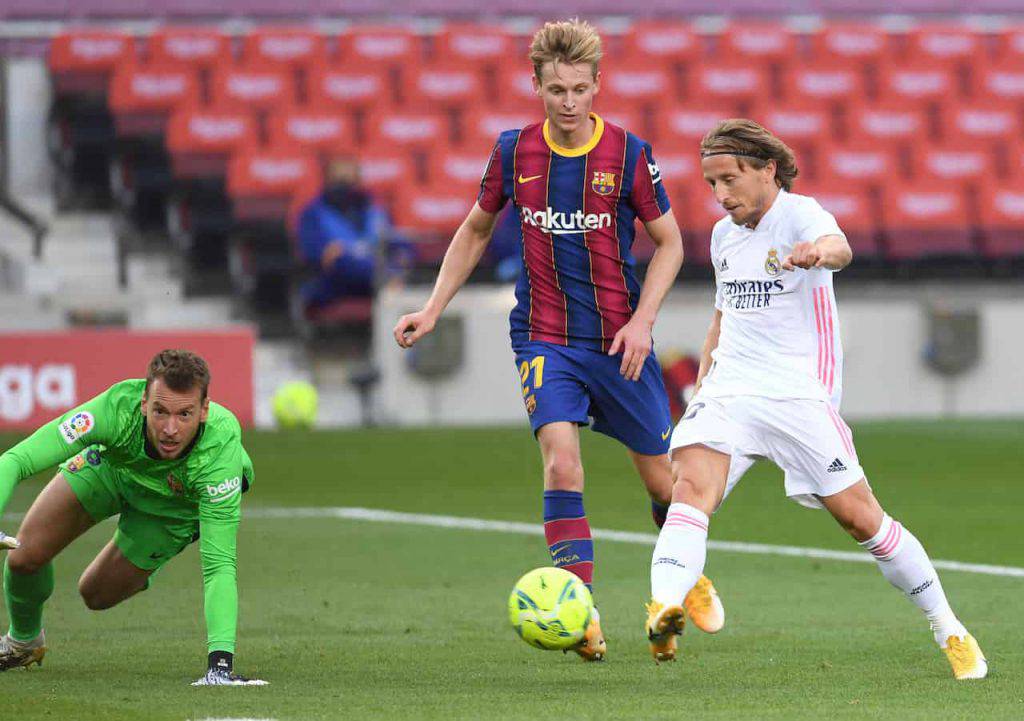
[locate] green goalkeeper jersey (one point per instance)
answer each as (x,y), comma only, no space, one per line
(204,484)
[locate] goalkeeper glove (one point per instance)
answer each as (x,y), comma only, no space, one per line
(219,673)
(8,543)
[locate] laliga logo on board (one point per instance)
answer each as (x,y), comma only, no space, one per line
(565,223)
(22,388)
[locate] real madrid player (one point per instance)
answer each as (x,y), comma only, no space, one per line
(581,328)
(171,463)
(769,387)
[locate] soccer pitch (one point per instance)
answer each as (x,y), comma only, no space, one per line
(352,618)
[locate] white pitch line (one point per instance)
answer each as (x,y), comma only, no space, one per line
(534,529)
(647,539)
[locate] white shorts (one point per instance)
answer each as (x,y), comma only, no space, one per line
(807,439)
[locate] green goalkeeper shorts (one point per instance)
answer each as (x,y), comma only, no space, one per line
(147,541)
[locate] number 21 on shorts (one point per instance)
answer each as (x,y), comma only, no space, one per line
(537,366)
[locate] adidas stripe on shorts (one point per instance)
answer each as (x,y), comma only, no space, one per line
(806,438)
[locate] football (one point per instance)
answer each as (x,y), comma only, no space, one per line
(295,405)
(550,608)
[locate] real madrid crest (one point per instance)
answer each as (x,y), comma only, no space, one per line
(603,183)
(773,266)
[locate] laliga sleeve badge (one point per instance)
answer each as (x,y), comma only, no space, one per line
(773,266)
(77,426)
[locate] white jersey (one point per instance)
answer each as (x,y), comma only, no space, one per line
(780,330)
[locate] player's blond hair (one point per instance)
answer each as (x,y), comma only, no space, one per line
(753,144)
(566,41)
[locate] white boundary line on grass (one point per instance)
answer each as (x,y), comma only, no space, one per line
(648,539)
(534,529)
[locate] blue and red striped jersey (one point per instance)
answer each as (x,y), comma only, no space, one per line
(577,206)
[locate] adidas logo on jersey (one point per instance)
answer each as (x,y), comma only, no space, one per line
(563,223)
(724,266)
(836,467)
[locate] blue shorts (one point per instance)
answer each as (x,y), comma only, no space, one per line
(575,384)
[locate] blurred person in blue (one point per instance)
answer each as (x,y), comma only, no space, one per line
(339,234)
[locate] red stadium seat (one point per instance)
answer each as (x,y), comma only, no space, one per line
(796,122)
(431,215)
(473,43)
(82,61)
(442,85)
(926,220)
(319,131)
(348,88)
(201,140)
(142,97)
(726,83)
(952,162)
(192,46)
(630,84)
(385,170)
(1010,44)
(858,162)
(679,168)
(261,89)
(458,171)
(943,44)
(999,82)
(702,212)
(515,87)
(981,122)
(688,124)
(661,42)
(852,205)
(824,82)
(758,42)
(631,120)
(921,82)
(422,130)
(892,123)
(850,43)
(1002,220)
(373,47)
(263,183)
(286,47)
(482,127)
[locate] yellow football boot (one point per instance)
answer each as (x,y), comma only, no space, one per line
(664,623)
(705,607)
(965,657)
(592,647)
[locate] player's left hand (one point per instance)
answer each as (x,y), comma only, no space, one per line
(634,340)
(804,255)
(8,543)
(219,677)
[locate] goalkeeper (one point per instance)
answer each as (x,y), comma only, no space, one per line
(171,463)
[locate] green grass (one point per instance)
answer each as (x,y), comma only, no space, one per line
(351,619)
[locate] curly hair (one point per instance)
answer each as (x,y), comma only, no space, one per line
(754,144)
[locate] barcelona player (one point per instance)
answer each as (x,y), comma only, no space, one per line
(581,327)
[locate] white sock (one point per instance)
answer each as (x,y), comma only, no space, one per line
(905,564)
(679,555)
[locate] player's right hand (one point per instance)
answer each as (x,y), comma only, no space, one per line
(413,326)
(8,543)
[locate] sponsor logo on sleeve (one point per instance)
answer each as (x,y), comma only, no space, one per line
(77,426)
(223,491)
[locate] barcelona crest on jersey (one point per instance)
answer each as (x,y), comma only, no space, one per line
(603,183)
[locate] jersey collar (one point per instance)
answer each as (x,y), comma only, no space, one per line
(583,149)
